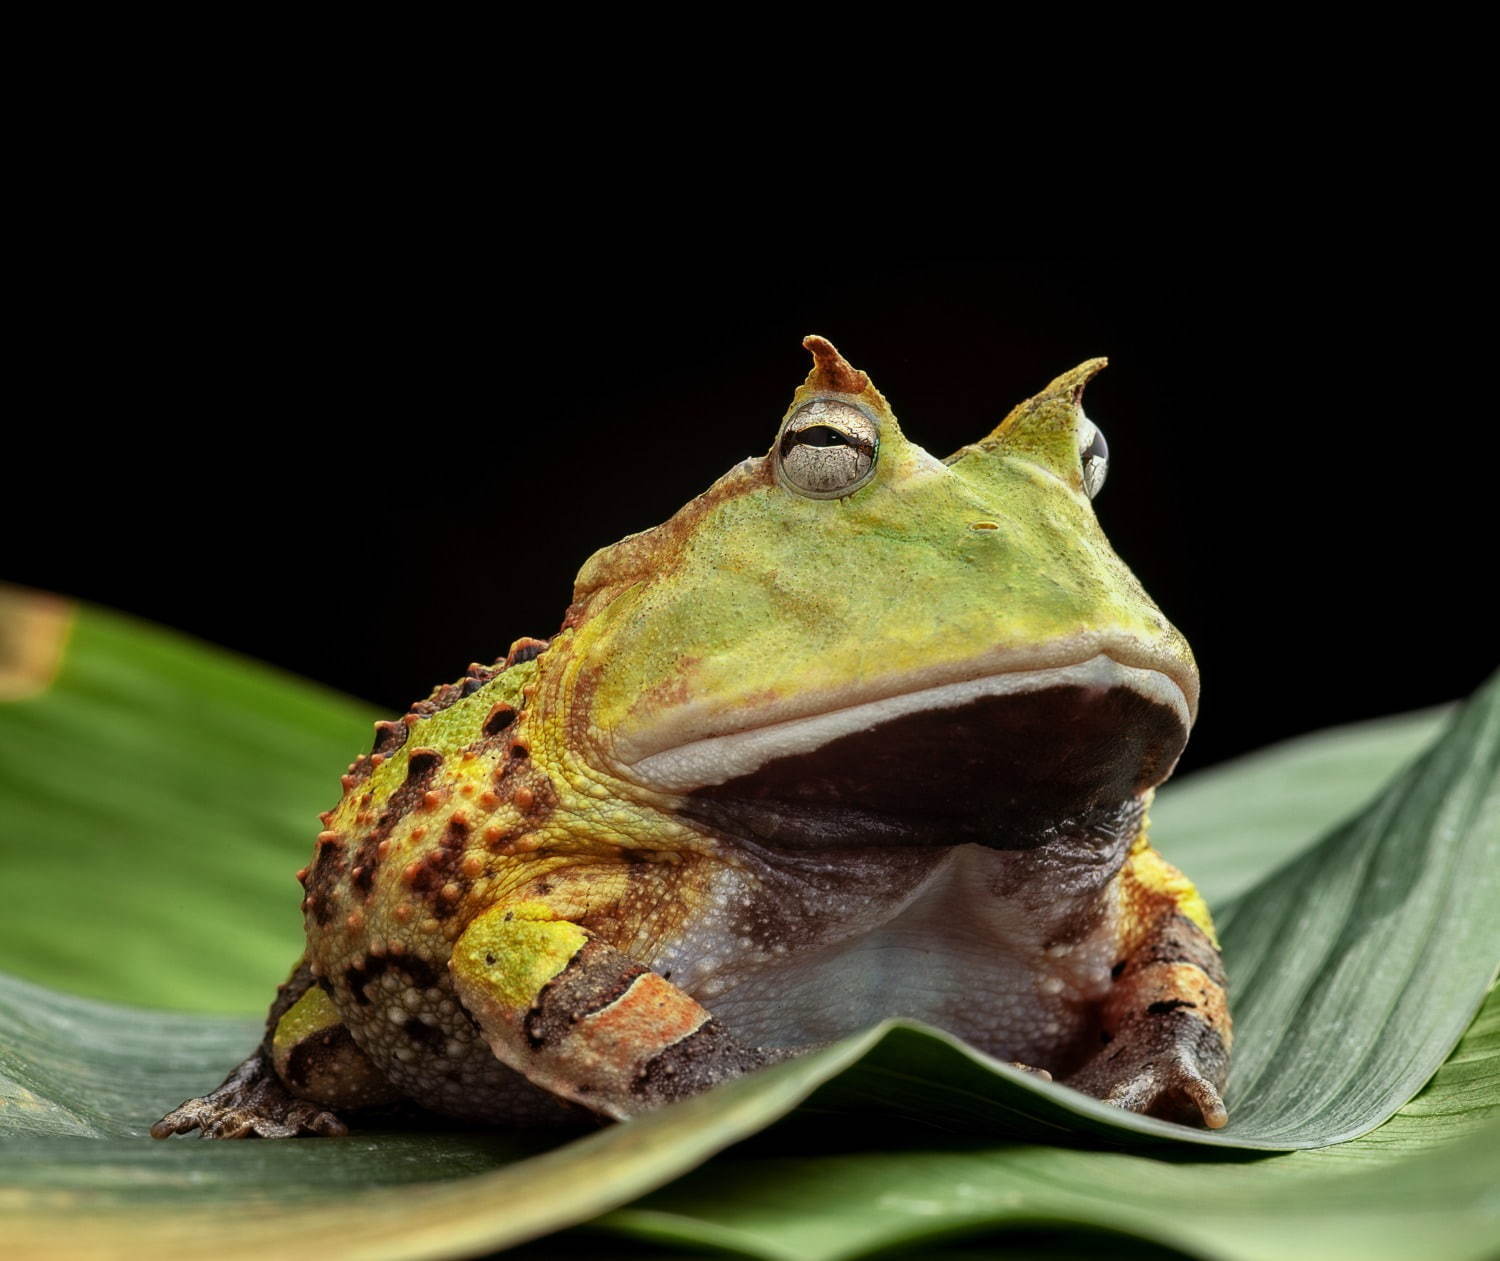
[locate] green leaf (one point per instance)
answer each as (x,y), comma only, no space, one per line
(1426,1184)
(1354,964)
(156,797)
(1231,824)
(81,1080)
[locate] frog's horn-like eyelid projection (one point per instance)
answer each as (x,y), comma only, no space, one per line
(1044,429)
(833,376)
(1067,388)
(830,370)
(1057,406)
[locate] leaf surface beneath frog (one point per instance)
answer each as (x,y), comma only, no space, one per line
(1356,966)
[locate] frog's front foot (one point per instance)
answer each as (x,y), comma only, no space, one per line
(1039,1073)
(1166,1067)
(251,1103)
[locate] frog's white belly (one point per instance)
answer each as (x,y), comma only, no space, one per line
(972,950)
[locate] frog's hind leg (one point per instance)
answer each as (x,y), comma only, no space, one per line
(306,1064)
(583,1020)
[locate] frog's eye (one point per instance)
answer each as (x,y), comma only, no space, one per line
(826,450)
(1094,452)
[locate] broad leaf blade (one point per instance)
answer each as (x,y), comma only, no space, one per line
(1231,824)
(1422,1185)
(1357,966)
(80,1081)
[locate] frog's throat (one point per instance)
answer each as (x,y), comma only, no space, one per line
(716,760)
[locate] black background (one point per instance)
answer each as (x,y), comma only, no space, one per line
(372,463)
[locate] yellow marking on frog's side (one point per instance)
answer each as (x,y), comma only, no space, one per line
(1154,874)
(316,1058)
(518,952)
(311,1014)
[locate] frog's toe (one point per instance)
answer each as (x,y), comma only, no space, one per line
(251,1103)
(1170,1067)
(1173,1090)
(1205,1096)
(293,1122)
(257,1117)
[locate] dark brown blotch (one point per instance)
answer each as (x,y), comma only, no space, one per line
(704,1058)
(359,771)
(1184,942)
(359,975)
(323,1051)
(593,978)
(499,718)
(418,970)
(525,649)
(389,736)
(456,834)
(442,696)
(422,764)
(423,1034)
(440,867)
(322,880)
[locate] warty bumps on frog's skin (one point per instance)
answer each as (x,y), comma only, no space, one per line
(857,733)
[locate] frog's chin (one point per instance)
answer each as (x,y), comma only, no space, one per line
(998,760)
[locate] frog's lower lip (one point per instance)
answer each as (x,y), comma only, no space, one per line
(1072,692)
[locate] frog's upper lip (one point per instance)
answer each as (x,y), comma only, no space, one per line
(716,759)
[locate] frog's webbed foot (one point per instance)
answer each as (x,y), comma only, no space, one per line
(251,1103)
(1166,1030)
(1166,1066)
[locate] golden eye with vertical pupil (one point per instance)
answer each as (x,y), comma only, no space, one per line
(826,450)
(1094,452)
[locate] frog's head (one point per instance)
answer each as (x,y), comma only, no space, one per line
(847,640)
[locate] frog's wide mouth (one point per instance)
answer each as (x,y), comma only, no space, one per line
(996,759)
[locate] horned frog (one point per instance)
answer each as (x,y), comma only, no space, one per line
(856,733)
